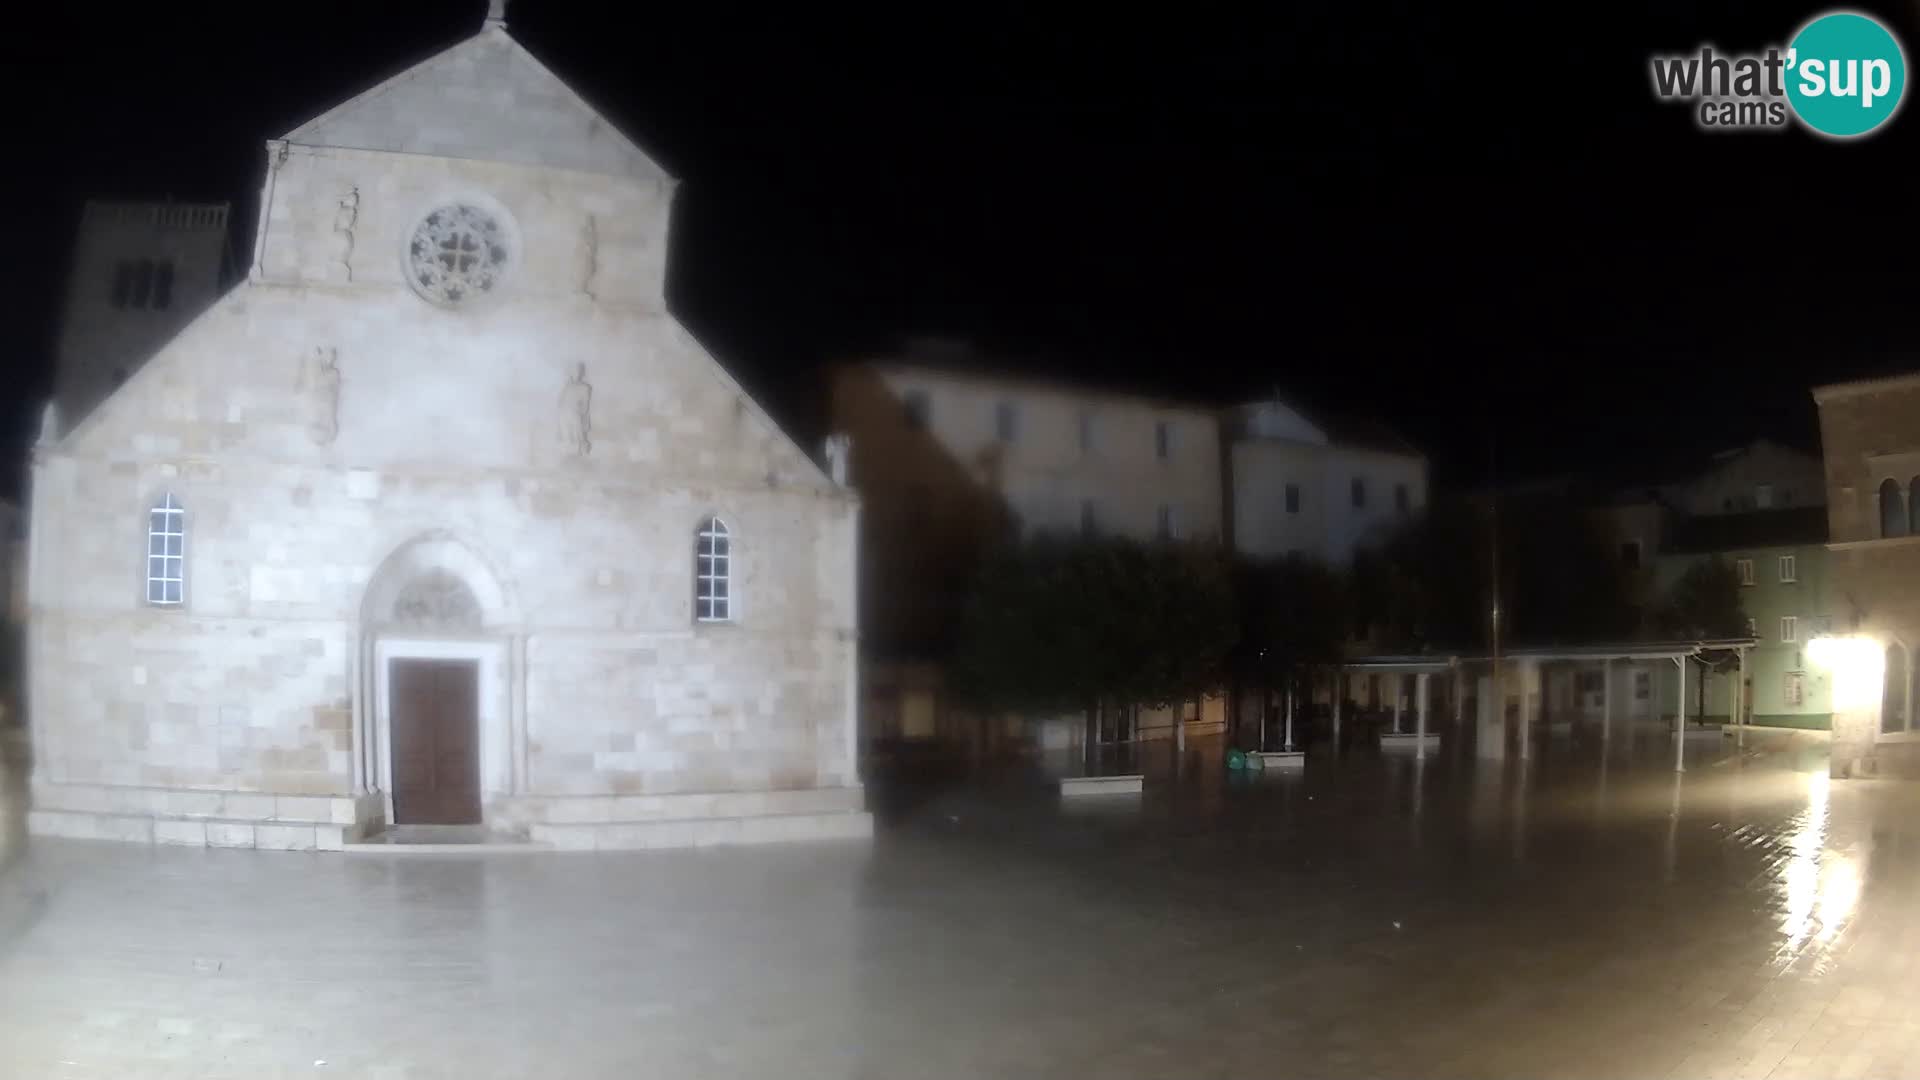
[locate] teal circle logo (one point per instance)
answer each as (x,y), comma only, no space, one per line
(1846,74)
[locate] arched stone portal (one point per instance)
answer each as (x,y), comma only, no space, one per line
(438,717)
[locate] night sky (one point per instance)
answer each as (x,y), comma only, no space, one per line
(1456,220)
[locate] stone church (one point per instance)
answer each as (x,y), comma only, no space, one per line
(440,519)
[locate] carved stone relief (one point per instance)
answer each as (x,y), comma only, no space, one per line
(437,600)
(589,256)
(576,414)
(323,395)
(346,214)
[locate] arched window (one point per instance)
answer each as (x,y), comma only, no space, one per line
(1893,509)
(713,573)
(167,552)
(1893,698)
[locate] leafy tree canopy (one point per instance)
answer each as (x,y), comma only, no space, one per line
(1056,623)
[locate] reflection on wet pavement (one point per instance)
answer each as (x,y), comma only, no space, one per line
(1568,916)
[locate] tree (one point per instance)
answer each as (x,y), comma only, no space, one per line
(1057,624)
(1705,602)
(1293,612)
(1429,584)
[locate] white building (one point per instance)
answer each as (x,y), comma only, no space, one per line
(1315,487)
(440,518)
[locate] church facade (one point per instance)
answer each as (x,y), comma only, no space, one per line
(440,518)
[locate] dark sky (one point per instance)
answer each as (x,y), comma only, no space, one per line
(1459,220)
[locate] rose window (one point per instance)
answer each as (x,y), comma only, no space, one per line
(457,254)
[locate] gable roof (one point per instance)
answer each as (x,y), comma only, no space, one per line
(485,99)
(1798,526)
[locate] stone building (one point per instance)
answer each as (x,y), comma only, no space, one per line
(1317,487)
(439,517)
(949,453)
(141,272)
(1870,430)
(1781,560)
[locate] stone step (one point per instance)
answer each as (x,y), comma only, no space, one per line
(702,832)
(185,803)
(187,831)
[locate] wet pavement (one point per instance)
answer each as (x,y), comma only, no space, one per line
(1368,917)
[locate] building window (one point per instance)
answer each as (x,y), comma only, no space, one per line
(1893,509)
(1359,492)
(1006,421)
(1789,572)
(122,284)
(1763,496)
(1293,498)
(1642,685)
(1630,554)
(919,409)
(1089,518)
(163,285)
(713,573)
(1163,440)
(1794,693)
(457,252)
(1744,568)
(1789,628)
(1893,699)
(142,283)
(1753,628)
(1086,432)
(1169,522)
(167,552)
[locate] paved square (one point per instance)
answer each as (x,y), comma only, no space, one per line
(1359,918)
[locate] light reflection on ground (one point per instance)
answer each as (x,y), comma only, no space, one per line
(1568,916)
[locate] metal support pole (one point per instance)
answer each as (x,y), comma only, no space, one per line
(1606,701)
(1529,674)
(1339,698)
(1740,717)
(1420,711)
(1680,720)
(1288,745)
(1459,696)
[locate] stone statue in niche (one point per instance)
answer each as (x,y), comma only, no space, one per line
(49,424)
(323,396)
(839,448)
(589,256)
(576,414)
(437,599)
(345,215)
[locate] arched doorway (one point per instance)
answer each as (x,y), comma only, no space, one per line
(438,650)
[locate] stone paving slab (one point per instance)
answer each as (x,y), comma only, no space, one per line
(1370,917)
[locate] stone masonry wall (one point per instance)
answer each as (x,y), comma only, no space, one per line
(449,423)
(1870,433)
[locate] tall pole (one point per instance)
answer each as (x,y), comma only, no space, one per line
(1493,534)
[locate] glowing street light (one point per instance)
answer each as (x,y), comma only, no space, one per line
(1858,666)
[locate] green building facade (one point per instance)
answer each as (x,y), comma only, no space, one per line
(1781,559)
